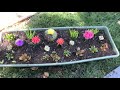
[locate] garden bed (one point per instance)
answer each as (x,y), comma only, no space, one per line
(56,46)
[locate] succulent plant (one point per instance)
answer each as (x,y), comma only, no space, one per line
(47,48)
(24,57)
(67,53)
(93,49)
(9,37)
(50,34)
(30,34)
(9,56)
(73,34)
(80,52)
(55,56)
(46,57)
(60,41)
(36,39)
(104,47)
(9,47)
(19,42)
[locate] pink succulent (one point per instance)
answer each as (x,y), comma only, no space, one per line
(88,34)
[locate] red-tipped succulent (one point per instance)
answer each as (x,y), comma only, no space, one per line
(60,41)
(36,39)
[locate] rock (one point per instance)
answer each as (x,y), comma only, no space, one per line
(101,38)
(78,48)
(71,42)
(34,68)
(45,75)
(47,48)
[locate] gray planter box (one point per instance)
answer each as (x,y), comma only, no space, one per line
(71,62)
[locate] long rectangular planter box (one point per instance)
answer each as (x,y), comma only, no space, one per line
(106,30)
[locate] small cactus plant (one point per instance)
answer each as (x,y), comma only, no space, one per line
(50,34)
(60,41)
(36,39)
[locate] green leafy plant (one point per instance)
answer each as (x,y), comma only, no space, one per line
(74,34)
(9,56)
(93,49)
(30,34)
(9,37)
(67,53)
(95,31)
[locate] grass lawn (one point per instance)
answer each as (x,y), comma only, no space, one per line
(94,69)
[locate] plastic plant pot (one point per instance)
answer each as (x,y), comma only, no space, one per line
(106,30)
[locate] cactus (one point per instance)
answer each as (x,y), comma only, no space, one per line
(50,34)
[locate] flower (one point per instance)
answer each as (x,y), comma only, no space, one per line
(51,31)
(60,41)
(36,40)
(19,42)
(88,34)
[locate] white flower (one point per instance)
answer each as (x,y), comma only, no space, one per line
(101,38)
(47,48)
(71,42)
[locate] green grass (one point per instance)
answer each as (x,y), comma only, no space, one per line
(94,69)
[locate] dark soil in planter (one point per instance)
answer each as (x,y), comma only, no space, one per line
(37,51)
